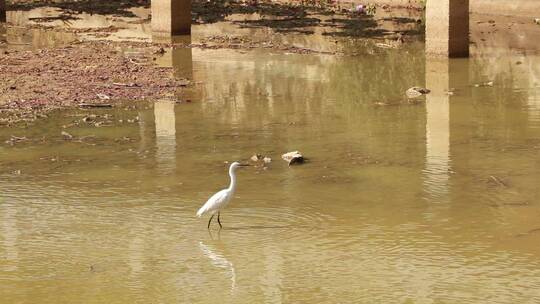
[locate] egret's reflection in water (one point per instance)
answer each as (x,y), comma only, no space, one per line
(218,260)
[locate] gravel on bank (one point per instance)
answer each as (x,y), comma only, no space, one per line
(88,73)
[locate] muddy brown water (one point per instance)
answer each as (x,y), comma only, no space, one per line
(428,201)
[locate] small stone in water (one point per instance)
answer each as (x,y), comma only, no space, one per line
(293,157)
(66,135)
(267,159)
(89,118)
(416,92)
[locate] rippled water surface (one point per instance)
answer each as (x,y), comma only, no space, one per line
(428,201)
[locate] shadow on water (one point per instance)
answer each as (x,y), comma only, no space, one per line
(362,26)
(287,25)
(117,7)
(3,34)
(202,11)
(215,11)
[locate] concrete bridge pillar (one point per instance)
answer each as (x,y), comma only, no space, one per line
(2,10)
(447,28)
(171,17)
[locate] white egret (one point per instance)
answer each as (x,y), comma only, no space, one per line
(222,198)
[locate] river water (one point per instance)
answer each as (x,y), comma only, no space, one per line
(427,201)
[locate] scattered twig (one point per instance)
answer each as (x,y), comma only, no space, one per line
(498,181)
(95,105)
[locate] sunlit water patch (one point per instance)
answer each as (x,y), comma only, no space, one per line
(427,201)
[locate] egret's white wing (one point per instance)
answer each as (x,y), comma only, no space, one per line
(215,202)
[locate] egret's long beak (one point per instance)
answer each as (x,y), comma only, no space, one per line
(243,165)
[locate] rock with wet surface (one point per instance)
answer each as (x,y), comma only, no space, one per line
(293,158)
(89,118)
(416,92)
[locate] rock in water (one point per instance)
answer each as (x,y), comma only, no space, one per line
(293,158)
(416,92)
(66,135)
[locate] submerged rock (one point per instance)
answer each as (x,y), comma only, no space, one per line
(484,84)
(66,135)
(416,92)
(15,139)
(293,158)
(260,157)
(89,118)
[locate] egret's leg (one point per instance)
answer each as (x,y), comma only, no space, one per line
(219,221)
(210,221)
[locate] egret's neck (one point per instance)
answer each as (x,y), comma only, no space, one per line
(232,186)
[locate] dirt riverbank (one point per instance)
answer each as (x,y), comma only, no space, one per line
(88,74)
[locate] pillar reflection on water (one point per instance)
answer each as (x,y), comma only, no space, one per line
(135,260)
(165,135)
(444,77)
(182,62)
(9,235)
(272,278)
(180,59)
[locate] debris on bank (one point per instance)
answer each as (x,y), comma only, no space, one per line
(247,43)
